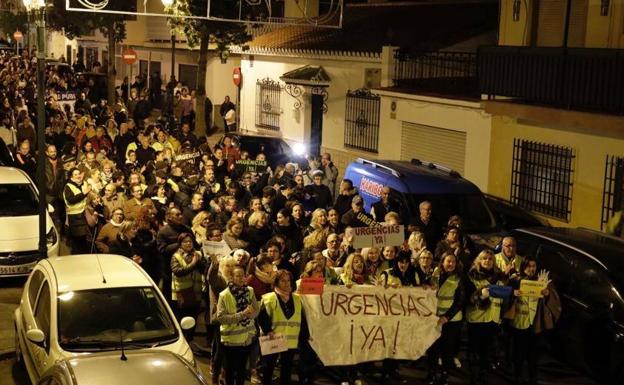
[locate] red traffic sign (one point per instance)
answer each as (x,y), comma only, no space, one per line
(129,56)
(17,35)
(237,76)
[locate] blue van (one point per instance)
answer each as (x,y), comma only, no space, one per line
(416,181)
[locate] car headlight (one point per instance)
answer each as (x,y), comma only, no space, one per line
(51,237)
(299,149)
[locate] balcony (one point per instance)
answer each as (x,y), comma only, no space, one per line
(448,74)
(582,79)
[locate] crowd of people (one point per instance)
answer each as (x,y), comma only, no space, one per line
(122,182)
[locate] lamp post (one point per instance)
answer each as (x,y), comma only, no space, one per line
(171,85)
(37,8)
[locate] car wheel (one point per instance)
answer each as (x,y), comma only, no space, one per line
(19,358)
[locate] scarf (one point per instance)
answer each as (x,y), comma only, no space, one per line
(285,296)
(242,300)
(267,278)
(358,278)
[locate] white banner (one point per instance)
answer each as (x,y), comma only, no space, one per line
(378,236)
(371,323)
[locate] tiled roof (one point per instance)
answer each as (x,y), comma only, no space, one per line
(368,27)
(313,75)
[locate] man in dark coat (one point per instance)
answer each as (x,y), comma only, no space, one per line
(385,205)
(427,225)
(357,217)
(321,193)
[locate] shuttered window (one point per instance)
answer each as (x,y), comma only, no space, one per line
(551,23)
(434,144)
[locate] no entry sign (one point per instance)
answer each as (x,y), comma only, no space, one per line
(129,56)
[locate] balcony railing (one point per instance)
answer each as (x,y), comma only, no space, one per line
(573,78)
(448,73)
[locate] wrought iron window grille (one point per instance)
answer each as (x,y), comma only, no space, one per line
(613,189)
(542,178)
(362,120)
(268,107)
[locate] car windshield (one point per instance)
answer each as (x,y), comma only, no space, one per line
(18,200)
(471,207)
(98,319)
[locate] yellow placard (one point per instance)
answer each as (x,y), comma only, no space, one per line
(530,288)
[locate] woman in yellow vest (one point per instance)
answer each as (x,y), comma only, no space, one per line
(525,339)
(187,267)
(483,312)
(236,310)
(448,278)
(402,274)
(281,313)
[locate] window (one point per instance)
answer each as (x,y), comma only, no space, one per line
(187,74)
(542,178)
(362,120)
(613,193)
(268,108)
(33,288)
(42,312)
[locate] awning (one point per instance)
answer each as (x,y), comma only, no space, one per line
(314,76)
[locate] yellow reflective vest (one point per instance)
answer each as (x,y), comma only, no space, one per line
(502,261)
(288,327)
(492,313)
(193,279)
(236,334)
(446,297)
(76,208)
(526,308)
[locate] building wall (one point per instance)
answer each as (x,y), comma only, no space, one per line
(347,74)
(600,31)
(591,146)
(57,45)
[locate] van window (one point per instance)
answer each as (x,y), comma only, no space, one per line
(471,207)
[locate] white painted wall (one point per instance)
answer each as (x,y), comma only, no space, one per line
(450,114)
(345,74)
(57,43)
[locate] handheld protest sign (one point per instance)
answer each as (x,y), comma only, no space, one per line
(530,288)
(378,236)
(312,286)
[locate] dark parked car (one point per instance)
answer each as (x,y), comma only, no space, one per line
(6,157)
(587,268)
(510,216)
(276,149)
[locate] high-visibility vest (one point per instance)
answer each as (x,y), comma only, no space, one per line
(236,334)
(502,261)
(391,279)
(526,307)
(76,208)
(490,314)
(193,279)
(288,327)
(446,297)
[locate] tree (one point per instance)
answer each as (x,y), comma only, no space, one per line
(11,21)
(205,32)
(75,24)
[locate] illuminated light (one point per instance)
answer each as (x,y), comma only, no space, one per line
(66,296)
(299,149)
(157,363)
(166,3)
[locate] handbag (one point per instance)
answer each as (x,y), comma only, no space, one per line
(510,312)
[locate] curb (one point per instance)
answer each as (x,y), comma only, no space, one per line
(7,354)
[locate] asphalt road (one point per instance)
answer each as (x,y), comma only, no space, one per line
(552,372)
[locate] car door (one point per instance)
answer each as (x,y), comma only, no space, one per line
(41,315)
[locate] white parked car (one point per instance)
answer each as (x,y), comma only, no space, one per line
(80,304)
(19,221)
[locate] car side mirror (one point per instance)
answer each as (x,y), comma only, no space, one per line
(36,336)
(50,208)
(187,323)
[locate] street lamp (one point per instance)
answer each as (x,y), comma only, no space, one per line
(37,7)
(171,86)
